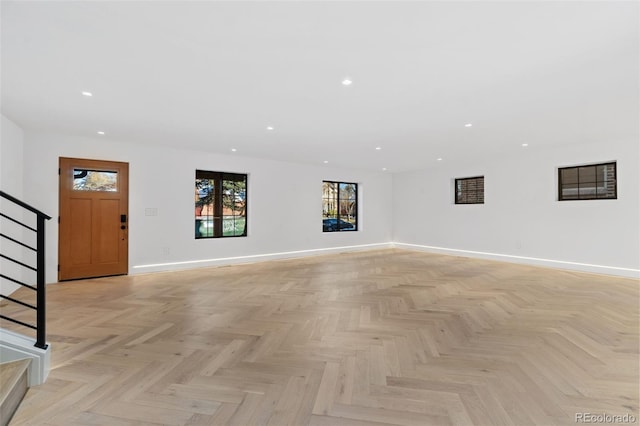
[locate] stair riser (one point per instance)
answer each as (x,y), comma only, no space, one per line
(14,382)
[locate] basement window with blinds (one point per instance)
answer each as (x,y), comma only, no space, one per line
(470,190)
(588,182)
(220,204)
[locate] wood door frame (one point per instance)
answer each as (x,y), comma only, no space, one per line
(65,193)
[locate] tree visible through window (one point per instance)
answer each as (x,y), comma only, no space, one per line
(95,180)
(220,204)
(589,182)
(470,190)
(339,206)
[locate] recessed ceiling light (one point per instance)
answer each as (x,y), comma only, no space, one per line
(88,94)
(468,125)
(100,132)
(347,82)
(378,148)
(384,169)
(525,144)
(325,161)
(269,128)
(439,159)
(233,150)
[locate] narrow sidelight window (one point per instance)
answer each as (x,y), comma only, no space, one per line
(339,206)
(220,204)
(588,182)
(470,190)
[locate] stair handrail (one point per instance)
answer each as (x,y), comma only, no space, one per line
(40,327)
(24,205)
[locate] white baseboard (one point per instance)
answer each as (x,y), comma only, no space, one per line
(550,263)
(15,346)
(203,263)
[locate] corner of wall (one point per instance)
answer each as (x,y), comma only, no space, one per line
(11,182)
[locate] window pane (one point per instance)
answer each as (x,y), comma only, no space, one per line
(352,209)
(569,175)
(95,180)
(220,204)
(347,208)
(233,225)
(480,194)
(601,191)
(234,205)
(204,196)
(611,188)
(588,182)
(470,190)
(228,204)
(347,191)
(587,174)
(329,199)
(204,227)
(228,226)
(570,191)
(587,190)
(330,224)
(346,225)
(339,206)
(609,171)
(609,180)
(352,220)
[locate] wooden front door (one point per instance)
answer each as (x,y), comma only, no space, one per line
(94,218)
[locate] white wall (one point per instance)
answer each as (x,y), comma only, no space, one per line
(284,203)
(11,159)
(11,140)
(521,220)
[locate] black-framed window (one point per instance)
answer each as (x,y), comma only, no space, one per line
(470,190)
(339,206)
(588,182)
(220,204)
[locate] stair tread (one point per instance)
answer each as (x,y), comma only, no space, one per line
(10,373)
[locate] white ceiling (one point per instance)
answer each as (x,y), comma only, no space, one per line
(213,75)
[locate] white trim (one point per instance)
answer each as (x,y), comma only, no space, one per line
(15,346)
(188,264)
(551,263)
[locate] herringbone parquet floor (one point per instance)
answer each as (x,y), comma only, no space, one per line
(371,338)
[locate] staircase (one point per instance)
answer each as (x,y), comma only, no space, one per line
(24,359)
(14,377)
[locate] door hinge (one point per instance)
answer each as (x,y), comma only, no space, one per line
(59,171)
(58,219)
(58,268)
